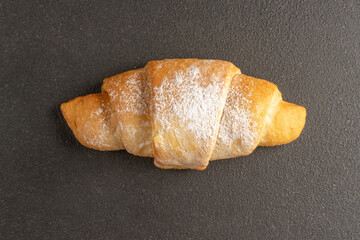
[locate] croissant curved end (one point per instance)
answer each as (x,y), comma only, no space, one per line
(92,123)
(285,126)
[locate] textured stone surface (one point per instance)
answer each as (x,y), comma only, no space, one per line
(53,188)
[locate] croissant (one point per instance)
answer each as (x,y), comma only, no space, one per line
(184,112)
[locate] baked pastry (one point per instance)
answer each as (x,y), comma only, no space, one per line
(184,112)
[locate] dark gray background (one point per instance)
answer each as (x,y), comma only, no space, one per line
(51,187)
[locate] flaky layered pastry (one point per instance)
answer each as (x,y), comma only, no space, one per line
(184,112)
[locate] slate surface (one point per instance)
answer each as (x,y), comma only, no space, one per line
(53,188)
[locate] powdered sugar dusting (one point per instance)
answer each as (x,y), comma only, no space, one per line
(183,99)
(130,97)
(102,119)
(135,98)
(193,103)
(238,127)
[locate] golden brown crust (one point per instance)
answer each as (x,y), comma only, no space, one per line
(178,167)
(184,133)
(243,119)
(93,123)
(287,122)
(253,114)
(130,97)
